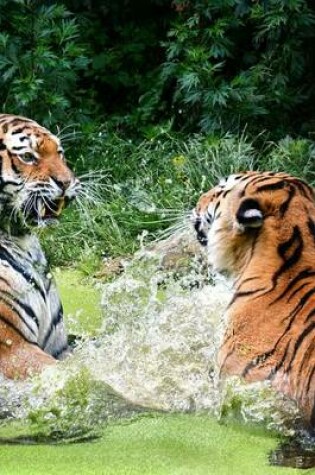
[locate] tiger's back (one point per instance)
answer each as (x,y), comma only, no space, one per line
(260,230)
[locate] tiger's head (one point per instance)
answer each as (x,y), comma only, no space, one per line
(35,181)
(229,218)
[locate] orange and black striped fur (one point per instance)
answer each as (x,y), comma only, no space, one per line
(35,185)
(260,231)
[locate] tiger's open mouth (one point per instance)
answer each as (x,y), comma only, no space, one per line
(50,209)
(44,210)
(201,234)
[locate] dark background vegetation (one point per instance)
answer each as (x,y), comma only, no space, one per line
(159,96)
(201,65)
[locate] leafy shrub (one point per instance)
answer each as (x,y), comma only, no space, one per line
(123,41)
(231,63)
(41,58)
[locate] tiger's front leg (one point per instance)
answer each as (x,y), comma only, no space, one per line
(20,359)
(32,333)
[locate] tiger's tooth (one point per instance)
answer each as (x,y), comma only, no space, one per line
(42,211)
(60,207)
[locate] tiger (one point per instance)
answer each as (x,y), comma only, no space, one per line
(35,186)
(259,232)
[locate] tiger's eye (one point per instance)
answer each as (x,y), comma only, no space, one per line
(28,157)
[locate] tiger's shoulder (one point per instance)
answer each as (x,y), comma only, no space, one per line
(259,229)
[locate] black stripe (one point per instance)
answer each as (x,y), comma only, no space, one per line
(209,218)
(10,182)
(297,309)
(258,360)
(279,185)
(19,120)
(311,227)
(241,177)
(48,283)
(244,294)
(2,145)
(29,311)
(14,168)
(17,148)
(304,274)
(249,180)
(6,256)
(304,361)
(299,342)
(310,315)
(245,281)
(18,131)
(55,321)
(292,316)
(263,356)
(283,248)
(305,298)
(298,290)
(13,327)
(11,304)
(280,363)
(216,208)
(5,281)
(253,180)
(284,207)
(304,189)
(308,385)
(25,307)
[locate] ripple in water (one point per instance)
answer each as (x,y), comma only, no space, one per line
(163,323)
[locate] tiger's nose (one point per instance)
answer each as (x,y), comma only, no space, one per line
(62,184)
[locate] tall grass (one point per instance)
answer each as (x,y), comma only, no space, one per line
(134,190)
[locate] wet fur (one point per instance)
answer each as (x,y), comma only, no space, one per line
(34,175)
(260,231)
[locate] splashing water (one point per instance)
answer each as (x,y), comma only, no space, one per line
(162,327)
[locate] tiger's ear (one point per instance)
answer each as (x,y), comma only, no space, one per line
(249,214)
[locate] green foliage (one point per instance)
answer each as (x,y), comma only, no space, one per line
(157,185)
(232,63)
(225,64)
(296,156)
(139,189)
(41,58)
(123,41)
(193,66)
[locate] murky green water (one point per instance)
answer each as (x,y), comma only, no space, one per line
(153,347)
